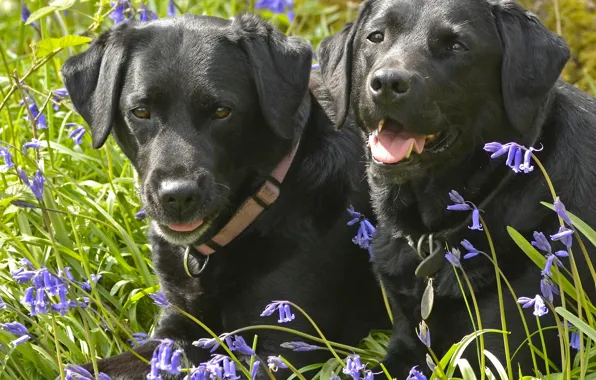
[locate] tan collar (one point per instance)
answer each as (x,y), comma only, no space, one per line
(252,207)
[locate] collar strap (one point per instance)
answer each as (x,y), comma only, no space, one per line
(252,207)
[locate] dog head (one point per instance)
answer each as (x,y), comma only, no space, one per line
(200,105)
(430,80)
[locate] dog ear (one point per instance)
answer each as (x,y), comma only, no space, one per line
(94,82)
(336,54)
(533,58)
(280,67)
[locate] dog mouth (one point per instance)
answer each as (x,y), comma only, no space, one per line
(392,144)
(198,225)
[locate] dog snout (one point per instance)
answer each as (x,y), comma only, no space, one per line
(179,196)
(389,84)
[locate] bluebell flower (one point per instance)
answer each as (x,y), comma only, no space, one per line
(517,160)
(237,343)
(7,157)
(145,14)
(229,369)
(171,9)
(430,363)
(334,376)
(208,343)
(22,275)
(159,299)
(2,303)
(274,363)
(94,279)
(37,185)
(39,119)
(548,288)
(368,375)
(564,236)
(562,211)
(285,313)
(25,12)
(277,6)
(540,308)
(59,95)
(64,303)
(574,340)
(541,242)
(300,346)
(315,66)
(33,144)
(75,372)
(118,14)
(454,257)
(353,366)
(472,251)
(165,358)
(139,338)
(415,374)
(254,371)
(366,231)
(141,214)
(462,205)
(77,135)
(423,333)
(17,329)
(553,258)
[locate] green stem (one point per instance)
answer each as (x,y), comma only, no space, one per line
(386,301)
(292,368)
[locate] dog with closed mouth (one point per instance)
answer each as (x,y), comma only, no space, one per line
(243,175)
(430,82)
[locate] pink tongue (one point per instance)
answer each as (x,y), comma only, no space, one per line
(390,147)
(186,227)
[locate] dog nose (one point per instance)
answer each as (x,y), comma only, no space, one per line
(389,84)
(179,195)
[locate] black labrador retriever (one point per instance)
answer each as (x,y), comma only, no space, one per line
(213,113)
(432,81)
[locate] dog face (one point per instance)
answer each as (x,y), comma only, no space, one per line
(430,80)
(201,106)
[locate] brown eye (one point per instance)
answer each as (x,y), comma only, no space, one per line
(141,113)
(221,112)
(458,47)
(376,37)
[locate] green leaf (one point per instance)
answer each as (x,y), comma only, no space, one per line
(581,325)
(307,368)
(41,12)
(63,4)
(497,364)
(49,45)
(466,369)
(330,366)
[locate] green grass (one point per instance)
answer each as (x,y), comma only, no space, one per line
(86,220)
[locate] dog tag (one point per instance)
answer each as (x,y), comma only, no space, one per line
(428,299)
(431,264)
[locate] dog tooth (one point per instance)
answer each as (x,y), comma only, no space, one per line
(381,124)
(410,150)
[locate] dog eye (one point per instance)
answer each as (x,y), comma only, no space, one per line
(376,37)
(221,112)
(458,47)
(141,113)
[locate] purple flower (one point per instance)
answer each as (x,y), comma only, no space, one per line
(476,220)
(429,362)
(39,119)
(77,135)
(33,144)
(472,251)
(423,333)
(159,299)
(285,313)
(456,197)
(366,231)
(141,214)
(541,242)
(59,95)
(138,339)
(145,14)
(573,338)
(462,205)
(277,6)
(19,340)
(117,14)
(7,157)
(275,362)
(171,9)
(25,12)
(415,374)
(94,279)
(548,288)
(208,343)
(353,366)
(553,258)
(17,329)
(315,66)
(254,371)
(368,375)
(562,211)
(165,359)
(22,275)
(75,372)
(453,257)
(237,343)
(2,303)
(517,160)
(64,304)
(564,235)
(300,346)
(37,185)
(540,308)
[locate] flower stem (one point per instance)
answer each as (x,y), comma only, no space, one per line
(292,368)
(386,301)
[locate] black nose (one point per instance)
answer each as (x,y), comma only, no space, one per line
(179,195)
(387,85)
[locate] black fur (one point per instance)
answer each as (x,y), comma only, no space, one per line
(300,249)
(502,87)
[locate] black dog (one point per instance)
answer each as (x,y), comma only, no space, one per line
(206,109)
(432,81)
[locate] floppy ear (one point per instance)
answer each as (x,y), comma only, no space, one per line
(533,58)
(280,67)
(94,82)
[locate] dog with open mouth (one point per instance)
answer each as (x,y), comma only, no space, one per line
(430,82)
(243,175)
